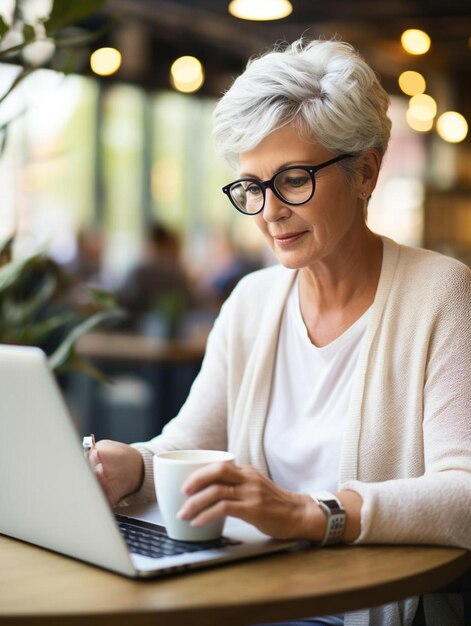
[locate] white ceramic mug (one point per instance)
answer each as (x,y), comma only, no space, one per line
(171,469)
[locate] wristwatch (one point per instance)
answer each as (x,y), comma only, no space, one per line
(335,514)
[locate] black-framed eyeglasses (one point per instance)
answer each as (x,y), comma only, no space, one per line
(293,185)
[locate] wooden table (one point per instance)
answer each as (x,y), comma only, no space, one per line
(167,368)
(132,348)
(38,587)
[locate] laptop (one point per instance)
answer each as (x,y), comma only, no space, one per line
(51,498)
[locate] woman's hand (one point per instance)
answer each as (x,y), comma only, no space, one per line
(118,467)
(222,489)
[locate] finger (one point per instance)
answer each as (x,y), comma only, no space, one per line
(232,492)
(223,508)
(212,473)
(206,498)
(94,457)
(105,484)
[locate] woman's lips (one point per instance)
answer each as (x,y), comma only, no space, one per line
(287,239)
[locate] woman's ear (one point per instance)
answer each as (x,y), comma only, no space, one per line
(369,164)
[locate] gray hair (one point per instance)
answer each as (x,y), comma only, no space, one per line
(324,88)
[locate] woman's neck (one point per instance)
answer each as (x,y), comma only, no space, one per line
(337,291)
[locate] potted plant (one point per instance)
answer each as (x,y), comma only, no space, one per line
(42,305)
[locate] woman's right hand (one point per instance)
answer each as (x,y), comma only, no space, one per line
(118,467)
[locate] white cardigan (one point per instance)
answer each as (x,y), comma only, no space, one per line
(407,447)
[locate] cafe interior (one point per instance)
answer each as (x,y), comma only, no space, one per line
(108,164)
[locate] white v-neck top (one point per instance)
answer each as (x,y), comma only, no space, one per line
(309,403)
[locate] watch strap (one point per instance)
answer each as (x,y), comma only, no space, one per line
(336,516)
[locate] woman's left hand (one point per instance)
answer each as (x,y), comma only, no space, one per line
(221,489)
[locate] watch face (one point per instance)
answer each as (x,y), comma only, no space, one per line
(336,517)
(333,505)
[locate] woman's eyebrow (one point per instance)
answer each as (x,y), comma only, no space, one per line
(275,171)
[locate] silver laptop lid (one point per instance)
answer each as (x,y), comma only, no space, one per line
(41,503)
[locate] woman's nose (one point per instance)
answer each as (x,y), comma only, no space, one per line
(274,209)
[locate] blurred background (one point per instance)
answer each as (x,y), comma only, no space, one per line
(108,165)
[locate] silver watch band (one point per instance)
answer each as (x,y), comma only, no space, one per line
(335,514)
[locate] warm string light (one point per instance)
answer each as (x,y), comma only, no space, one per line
(186,74)
(105,61)
(421,126)
(412,83)
(415,41)
(451,126)
(423,107)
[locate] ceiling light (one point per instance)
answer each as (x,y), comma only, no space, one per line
(412,83)
(415,41)
(423,107)
(187,74)
(260,10)
(105,61)
(452,127)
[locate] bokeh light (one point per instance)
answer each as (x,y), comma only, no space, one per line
(423,107)
(452,127)
(412,83)
(421,126)
(187,74)
(105,61)
(260,10)
(415,41)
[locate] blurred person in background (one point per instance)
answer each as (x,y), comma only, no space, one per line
(225,264)
(340,376)
(156,292)
(85,267)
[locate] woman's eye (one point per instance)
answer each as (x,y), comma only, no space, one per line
(253,190)
(297,181)
(292,180)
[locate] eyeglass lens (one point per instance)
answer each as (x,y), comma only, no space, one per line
(295,186)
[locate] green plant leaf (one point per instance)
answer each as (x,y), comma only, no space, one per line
(4,28)
(37,334)
(64,13)
(6,251)
(102,298)
(63,353)
(81,365)
(10,273)
(28,307)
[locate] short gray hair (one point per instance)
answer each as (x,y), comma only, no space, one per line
(324,88)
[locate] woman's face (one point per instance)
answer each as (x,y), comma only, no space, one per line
(301,236)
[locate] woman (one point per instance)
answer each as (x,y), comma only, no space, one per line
(345,368)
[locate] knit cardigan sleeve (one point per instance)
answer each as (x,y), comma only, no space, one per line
(425,403)
(201,422)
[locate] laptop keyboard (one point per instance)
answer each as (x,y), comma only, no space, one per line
(152,540)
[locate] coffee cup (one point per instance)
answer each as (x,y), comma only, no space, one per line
(171,469)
